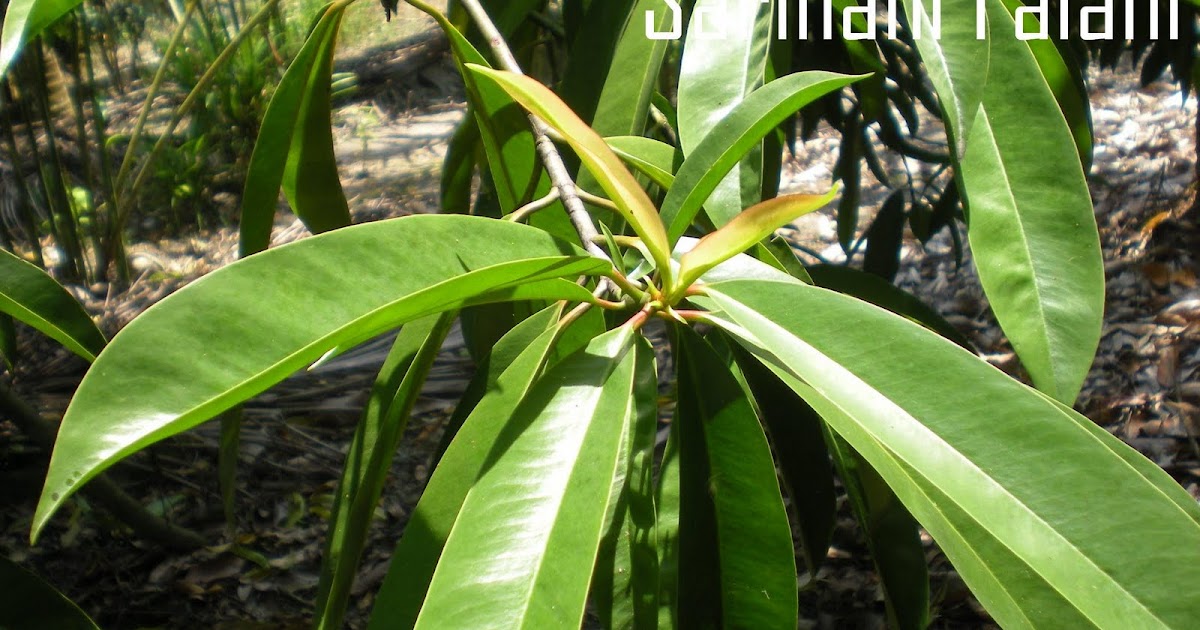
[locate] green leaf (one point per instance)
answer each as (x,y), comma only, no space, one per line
(266,316)
(632,74)
(885,237)
(369,460)
(8,340)
(501,384)
(27,601)
(26,19)
(756,562)
(501,126)
(625,579)
(743,127)
(956,62)
(873,289)
(521,553)
(458,171)
(1031,224)
(742,232)
(294,150)
(716,75)
(649,157)
(1009,483)
(31,296)
(1066,81)
(797,437)
(631,201)
(892,536)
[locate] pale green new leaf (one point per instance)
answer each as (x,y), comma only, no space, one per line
(521,552)
(266,316)
(1032,229)
(1009,482)
(631,201)
(744,230)
(31,296)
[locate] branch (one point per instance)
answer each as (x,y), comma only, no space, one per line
(547,152)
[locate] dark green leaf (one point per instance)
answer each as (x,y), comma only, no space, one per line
(27,601)
(31,296)
(797,437)
(733,474)
(891,535)
(885,237)
(369,460)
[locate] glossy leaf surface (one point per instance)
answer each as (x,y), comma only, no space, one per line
(744,127)
(1021,489)
(649,157)
(31,296)
(625,580)
(1031,225)
(521,552)
(512,369)
(716,74)
(266,316)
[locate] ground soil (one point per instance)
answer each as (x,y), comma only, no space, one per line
(1144,387)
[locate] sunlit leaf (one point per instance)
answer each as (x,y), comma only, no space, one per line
(511,371)
(1031,224)
(621,186)
(25,20)
(1010,483)
(744,230)
(294,149)
(266,316)
(735,134)
(522,549)
(716,75)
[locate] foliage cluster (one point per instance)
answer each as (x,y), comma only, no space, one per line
(550,491)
